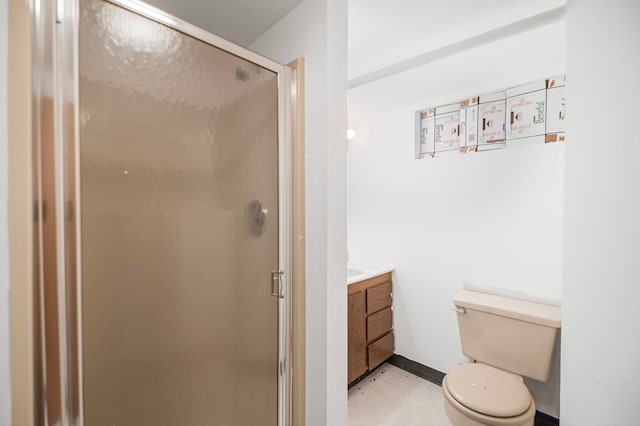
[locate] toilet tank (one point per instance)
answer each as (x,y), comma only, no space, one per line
(510,334)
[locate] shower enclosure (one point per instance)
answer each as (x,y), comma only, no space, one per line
(164,221)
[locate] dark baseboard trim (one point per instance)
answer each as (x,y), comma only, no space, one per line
(417,369)
(543,419)
(435,376)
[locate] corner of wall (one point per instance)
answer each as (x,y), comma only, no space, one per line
(600,349)
(316,31)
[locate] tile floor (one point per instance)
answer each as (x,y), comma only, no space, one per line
(391,396)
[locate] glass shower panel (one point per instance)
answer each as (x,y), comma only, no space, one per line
(179,227)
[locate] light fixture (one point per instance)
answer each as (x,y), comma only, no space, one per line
(351,134)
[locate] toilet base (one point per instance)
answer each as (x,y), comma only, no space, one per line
(460,415)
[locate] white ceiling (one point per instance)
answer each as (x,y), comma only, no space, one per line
(385,32)
(240,21)
(481,70)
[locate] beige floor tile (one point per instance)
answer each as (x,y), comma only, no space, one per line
(436,417)
(391,396)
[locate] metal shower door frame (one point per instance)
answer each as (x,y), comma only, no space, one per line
(56,79)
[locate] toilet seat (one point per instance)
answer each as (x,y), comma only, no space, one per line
(504,395)
(489,390)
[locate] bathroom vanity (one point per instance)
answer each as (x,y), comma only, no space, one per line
(370,321)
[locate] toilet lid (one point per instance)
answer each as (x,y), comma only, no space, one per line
(488,390)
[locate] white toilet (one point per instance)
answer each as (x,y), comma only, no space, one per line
(506,339)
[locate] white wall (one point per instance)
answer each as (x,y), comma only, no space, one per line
(316,30)
(601,290)
(5,349)
(492,218)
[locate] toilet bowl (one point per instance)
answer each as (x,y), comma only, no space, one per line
(477,394)
(507,339)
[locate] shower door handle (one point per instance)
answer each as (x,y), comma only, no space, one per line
(276,284)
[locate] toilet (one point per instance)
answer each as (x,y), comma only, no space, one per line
(506,339)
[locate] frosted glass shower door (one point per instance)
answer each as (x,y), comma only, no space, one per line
(178,157)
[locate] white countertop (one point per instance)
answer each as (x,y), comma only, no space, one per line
(362,271)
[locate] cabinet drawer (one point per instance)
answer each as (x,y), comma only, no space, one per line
(378,297)
(380,351)
(379,323)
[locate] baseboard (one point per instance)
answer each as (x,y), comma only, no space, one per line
(435,376)
(543,419)
(417,369)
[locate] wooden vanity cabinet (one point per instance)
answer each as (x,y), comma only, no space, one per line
(370,324)
(357,335)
